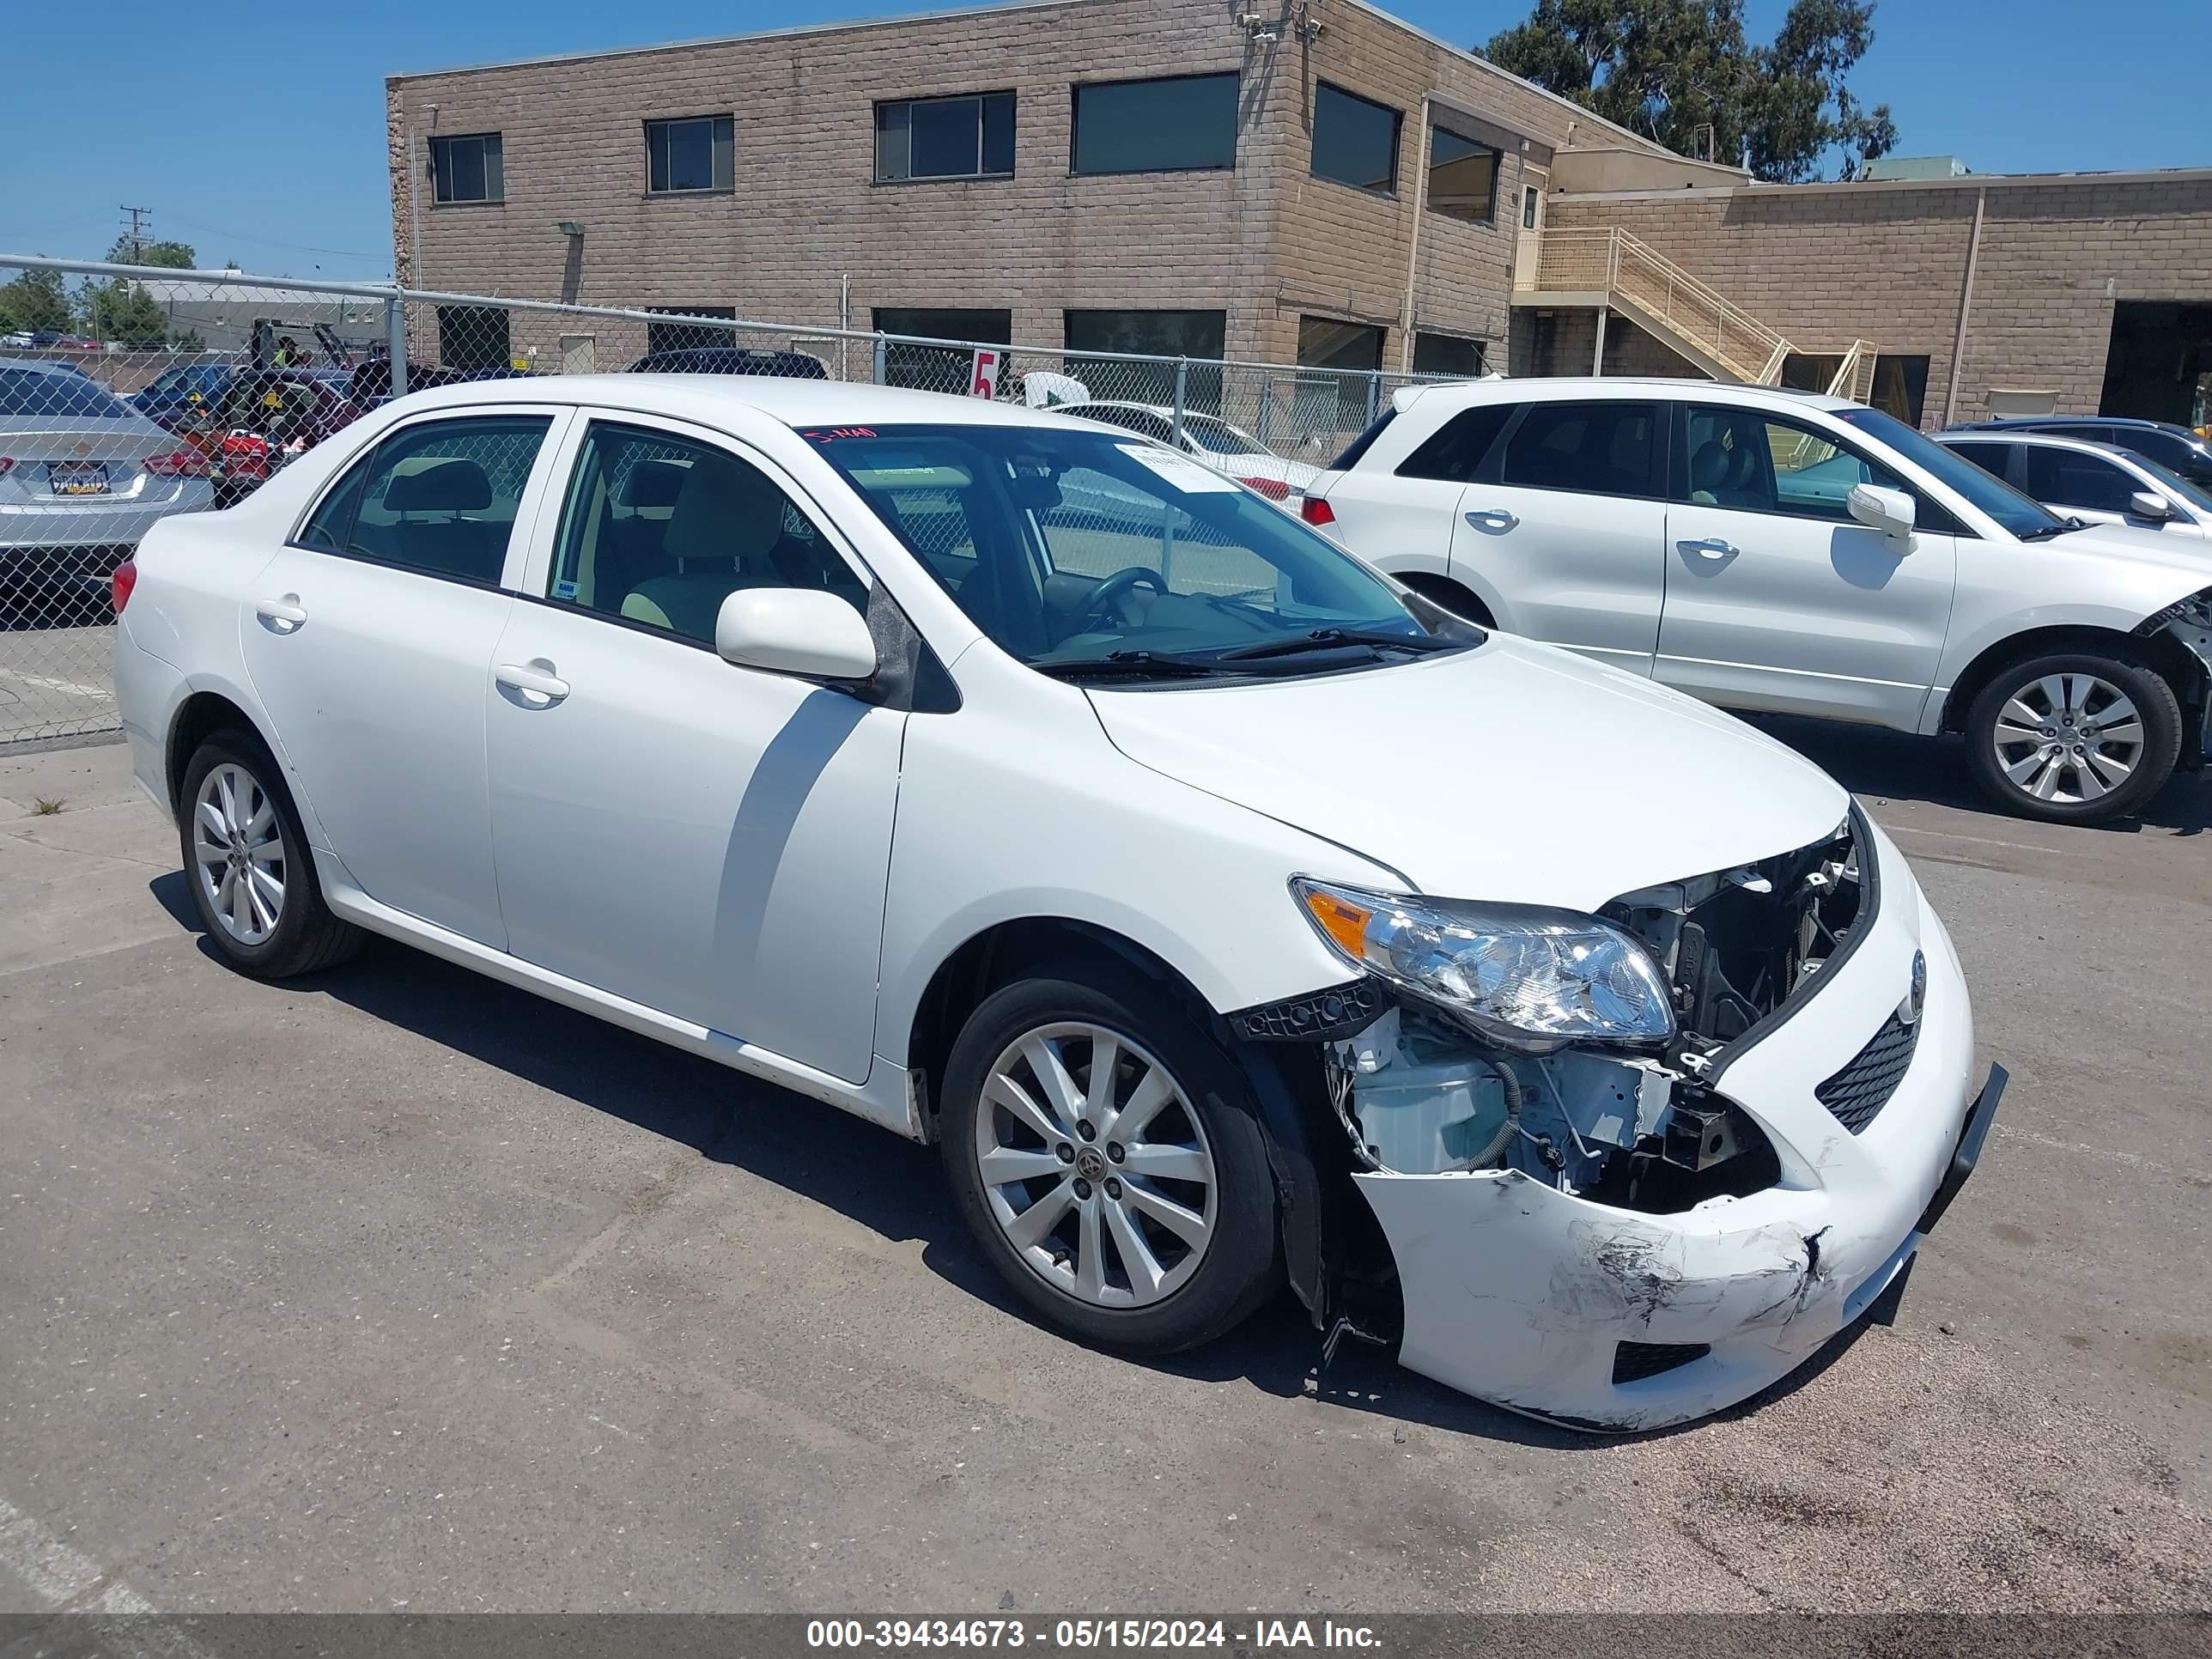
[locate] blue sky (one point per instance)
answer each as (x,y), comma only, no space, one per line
(258,134)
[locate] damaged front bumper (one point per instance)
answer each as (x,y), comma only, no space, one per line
(1551,1304)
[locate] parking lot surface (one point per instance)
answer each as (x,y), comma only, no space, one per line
(398,1288)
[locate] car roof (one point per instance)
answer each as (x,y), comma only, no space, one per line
(1554,388)
(792,401)
(2032,422)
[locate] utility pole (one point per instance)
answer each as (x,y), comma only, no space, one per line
(138,217)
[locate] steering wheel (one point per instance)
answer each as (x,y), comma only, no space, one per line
(1114,586)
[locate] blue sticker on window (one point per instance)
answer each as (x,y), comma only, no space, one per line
(564,590)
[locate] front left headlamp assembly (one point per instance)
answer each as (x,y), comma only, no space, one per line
(1524,976)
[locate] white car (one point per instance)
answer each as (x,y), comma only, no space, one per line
(1197,888)
(1208,439)
(83,477)
(2095,483)
(1775,550)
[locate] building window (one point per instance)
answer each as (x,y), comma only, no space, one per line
(694,154)
(1447,354)
(1462,177)
(1900,382)
(970,137)
(1184,124)
(1325,342)
(470,337)
(469,167)
(1355,139)
(937,368)
(1201,335)
(1528,207)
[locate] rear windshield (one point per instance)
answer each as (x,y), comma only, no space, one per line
(27,391)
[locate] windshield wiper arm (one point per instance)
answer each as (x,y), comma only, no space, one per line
(2044,533)
(1133,664)
(1334,639)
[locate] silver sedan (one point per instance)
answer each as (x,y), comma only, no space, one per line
(83,477)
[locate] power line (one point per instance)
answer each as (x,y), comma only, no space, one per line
(138,217)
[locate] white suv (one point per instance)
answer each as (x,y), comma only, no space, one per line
(1229,914)
(1772,550)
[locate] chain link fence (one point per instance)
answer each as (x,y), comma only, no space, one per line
(199,385)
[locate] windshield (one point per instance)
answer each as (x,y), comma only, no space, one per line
(2012,511)
(2173,483)
(1219,437)
(1082,552)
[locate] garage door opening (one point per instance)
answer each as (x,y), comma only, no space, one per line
(2159,366)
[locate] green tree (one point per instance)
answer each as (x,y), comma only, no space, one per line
(1670,67)
(35,299)
(123,311)
(176,256)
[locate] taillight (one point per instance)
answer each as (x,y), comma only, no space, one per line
(1273,488)
(182,464)
(120,584)
(7,465)
(1314,510)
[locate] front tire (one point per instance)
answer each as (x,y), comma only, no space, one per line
(2074,736)
(246,861)
(1107,1157)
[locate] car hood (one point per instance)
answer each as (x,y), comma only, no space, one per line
(1514,772)
(2152,549)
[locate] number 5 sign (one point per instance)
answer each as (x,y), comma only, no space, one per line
(984,383)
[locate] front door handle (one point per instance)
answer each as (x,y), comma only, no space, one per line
(1493,518)
(284,616)
(538,688)
(1712,547)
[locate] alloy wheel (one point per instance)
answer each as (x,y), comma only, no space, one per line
(1095,1166)
(2068,738)
(238,852)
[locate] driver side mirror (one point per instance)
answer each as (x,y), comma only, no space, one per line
(1889,511)
(794,630)
(2149,504)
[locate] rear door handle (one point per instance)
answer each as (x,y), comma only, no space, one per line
(1494,518)
(539,690)
(1712,547)
(284,616)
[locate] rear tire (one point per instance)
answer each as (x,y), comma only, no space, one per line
(1148,1238)
(2074,736)
(246,861)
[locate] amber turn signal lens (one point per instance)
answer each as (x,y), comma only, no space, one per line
(1344,922)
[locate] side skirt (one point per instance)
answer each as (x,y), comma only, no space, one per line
(885,1098)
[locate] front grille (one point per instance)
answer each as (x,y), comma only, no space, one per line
(1856,1095)
(1634,1361)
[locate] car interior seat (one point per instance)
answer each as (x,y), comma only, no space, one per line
(428,494)
(634,539)
(726,518)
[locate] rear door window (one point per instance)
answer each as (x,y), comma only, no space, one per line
(1995,459)
(1592,448)
(1455,450)
(439,498)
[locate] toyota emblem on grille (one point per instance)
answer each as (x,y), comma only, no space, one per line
(1908,1011)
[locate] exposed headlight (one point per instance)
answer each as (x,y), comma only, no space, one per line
(1520,976)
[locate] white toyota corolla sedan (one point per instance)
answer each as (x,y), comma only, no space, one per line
(1229,914)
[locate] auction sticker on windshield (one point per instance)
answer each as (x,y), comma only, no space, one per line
(1185,475)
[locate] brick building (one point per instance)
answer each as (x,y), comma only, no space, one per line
(1280,180)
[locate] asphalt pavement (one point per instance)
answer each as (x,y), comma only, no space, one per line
(397,1288)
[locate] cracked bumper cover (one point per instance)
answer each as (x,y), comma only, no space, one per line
(1520,1294)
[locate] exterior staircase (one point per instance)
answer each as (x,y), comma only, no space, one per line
(1604,266)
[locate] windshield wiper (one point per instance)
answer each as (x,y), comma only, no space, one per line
(1131,665)
(2044,533)
(1335,639)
